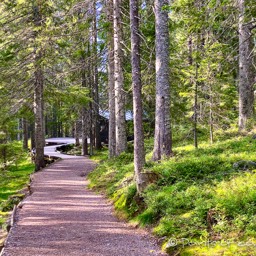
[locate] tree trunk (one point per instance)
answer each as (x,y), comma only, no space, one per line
(139,153)
(96,80)
(54,121)
(196,106)
(38,98)
(91,105)
(91,129)
(76,133)
(46,121)
(195,115)
(163,136)
(246,69)
(38,111)
(84,132)
(211,117)
(85,125)
(32,136)
(211,99)
(111,84)
(19,127)
(121,140)
(25,133)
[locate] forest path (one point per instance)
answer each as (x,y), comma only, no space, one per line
(63,217)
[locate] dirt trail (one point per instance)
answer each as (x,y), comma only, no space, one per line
(63,217)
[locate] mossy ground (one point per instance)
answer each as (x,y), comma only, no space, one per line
(14,179)
(202,200)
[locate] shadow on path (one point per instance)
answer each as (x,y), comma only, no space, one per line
(63,217)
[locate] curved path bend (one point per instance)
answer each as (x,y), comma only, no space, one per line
(63,217)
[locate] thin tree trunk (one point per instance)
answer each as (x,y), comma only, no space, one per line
(54,121)
(211,103)
(91,136)
(76,133)
(195,115)
(91,106)
(25,133)
(84,132)
(163,136)
(46,120)
(246,69)
(84,114)
(121,140)
(19,127)
(211,120)
(32,136)
(139,152)
(111,84)
(196,107)
(96,80)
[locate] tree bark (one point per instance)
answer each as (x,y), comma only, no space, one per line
(139,152)
(211,115)
(246,69)
(84,132)
(84,114)
(76,133)
(25,133)
(195,115)
(38,97)
(32,135)
(163,136)
(211,105)
(19,127)
(91,129)
(196,106)
(96,81)
(111,83)
(121,140)
(91,105)
(38,111)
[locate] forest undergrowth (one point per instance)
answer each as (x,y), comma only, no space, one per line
(203,201)
(14,177)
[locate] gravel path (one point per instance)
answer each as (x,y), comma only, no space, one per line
(63,217)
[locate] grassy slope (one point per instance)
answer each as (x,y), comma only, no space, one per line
(201,204)
(13,180)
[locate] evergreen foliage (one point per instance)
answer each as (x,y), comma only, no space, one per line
(63,62)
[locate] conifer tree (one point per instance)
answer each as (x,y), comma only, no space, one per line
(163,136)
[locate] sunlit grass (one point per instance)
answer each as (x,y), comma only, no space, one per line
(14,179)
(195,187)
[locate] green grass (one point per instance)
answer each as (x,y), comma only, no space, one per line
(203,195)
(13,180)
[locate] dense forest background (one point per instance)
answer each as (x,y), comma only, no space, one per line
(60,60)
(179,71)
